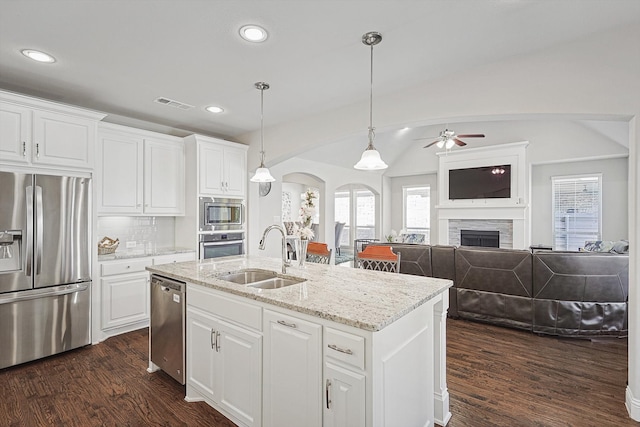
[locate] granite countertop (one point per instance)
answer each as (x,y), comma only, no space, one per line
(365,299)
(142,254)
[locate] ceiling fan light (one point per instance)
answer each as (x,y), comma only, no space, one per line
(262,175)
(370,161)
(440,143)
(449,143)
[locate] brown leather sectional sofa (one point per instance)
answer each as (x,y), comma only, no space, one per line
(558,293)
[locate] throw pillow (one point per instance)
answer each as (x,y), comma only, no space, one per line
(620,247)
(598,246)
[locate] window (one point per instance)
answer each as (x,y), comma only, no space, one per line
(416,208)
(342,214)
(577,210)
(357,208)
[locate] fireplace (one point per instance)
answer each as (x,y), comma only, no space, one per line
(484,238)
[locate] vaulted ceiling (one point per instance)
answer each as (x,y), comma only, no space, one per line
(119,56)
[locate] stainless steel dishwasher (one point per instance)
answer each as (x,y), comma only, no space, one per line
(168,326)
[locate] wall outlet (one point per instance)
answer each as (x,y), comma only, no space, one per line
(131,244)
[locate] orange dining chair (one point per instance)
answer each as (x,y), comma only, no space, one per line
(378,257)
(318,252)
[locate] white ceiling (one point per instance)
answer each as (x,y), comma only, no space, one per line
(118,56)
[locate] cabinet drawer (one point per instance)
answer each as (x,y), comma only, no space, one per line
(126,266)
(168,259)
(231,309)
(345,347)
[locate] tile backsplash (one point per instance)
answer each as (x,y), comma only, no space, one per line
(149,233)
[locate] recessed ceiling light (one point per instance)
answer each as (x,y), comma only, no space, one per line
(214,109)
(36,55)
(253,33)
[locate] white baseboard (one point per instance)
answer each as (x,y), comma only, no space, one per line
(442,415)
(633,405)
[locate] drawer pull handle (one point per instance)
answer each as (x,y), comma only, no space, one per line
(326,389)
(341,350)
(288,325)
(24,149)
(212,337)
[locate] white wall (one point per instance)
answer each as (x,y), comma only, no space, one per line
(615,196)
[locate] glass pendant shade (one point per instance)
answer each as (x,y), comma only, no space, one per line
(262,175)
(370,160)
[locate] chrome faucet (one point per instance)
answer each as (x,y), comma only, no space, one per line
(285,263)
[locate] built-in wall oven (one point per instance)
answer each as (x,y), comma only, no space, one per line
(214,245)
(219,214)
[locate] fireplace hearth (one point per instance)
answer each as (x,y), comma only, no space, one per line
(483,238)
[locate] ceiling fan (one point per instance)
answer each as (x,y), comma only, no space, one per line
(448,138)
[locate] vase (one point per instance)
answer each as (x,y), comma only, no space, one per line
(301,252)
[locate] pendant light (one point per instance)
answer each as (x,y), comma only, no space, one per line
(262,173)
(370,159)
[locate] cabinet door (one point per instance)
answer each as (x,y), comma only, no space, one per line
(62,140)
(15,133)
(239,373)
(292,387)
(163,177)
(125,299)
(120,172)
(210,160)
(235,171)
(344,400)
(201,329)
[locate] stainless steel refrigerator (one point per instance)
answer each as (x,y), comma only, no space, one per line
(45,270)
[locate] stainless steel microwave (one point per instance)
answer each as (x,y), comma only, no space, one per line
(218,214)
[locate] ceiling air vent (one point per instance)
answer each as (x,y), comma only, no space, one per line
(172,103)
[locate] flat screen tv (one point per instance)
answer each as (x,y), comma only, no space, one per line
(487,182)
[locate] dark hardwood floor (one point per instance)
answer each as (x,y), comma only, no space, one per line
(505,377)
(496,377)
(101,385)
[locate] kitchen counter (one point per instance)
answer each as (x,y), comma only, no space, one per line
(364,299)
(141,254)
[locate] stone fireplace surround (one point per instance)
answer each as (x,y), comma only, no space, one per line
(510,217)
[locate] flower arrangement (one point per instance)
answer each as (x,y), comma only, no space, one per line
(391,237)
(307,212)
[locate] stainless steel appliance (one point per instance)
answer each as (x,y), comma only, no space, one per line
(221,244)
(168,326)
(221,214)
(45,273)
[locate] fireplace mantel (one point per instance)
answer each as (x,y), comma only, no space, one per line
(514,209)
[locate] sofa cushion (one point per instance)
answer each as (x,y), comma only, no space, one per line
(504,271)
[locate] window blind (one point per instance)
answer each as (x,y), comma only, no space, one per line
(577,211)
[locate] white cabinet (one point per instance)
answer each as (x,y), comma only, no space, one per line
(344,379)
(344,401)
(15,133)
(125,293)
(41,133)
(222,167)
(140,173)
(224,358)
(163,177)
(120,169)
(292,377)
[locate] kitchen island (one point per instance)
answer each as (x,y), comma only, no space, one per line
(343,347)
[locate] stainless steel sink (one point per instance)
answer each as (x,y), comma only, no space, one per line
(263,279)
(275,283)
(250,275)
